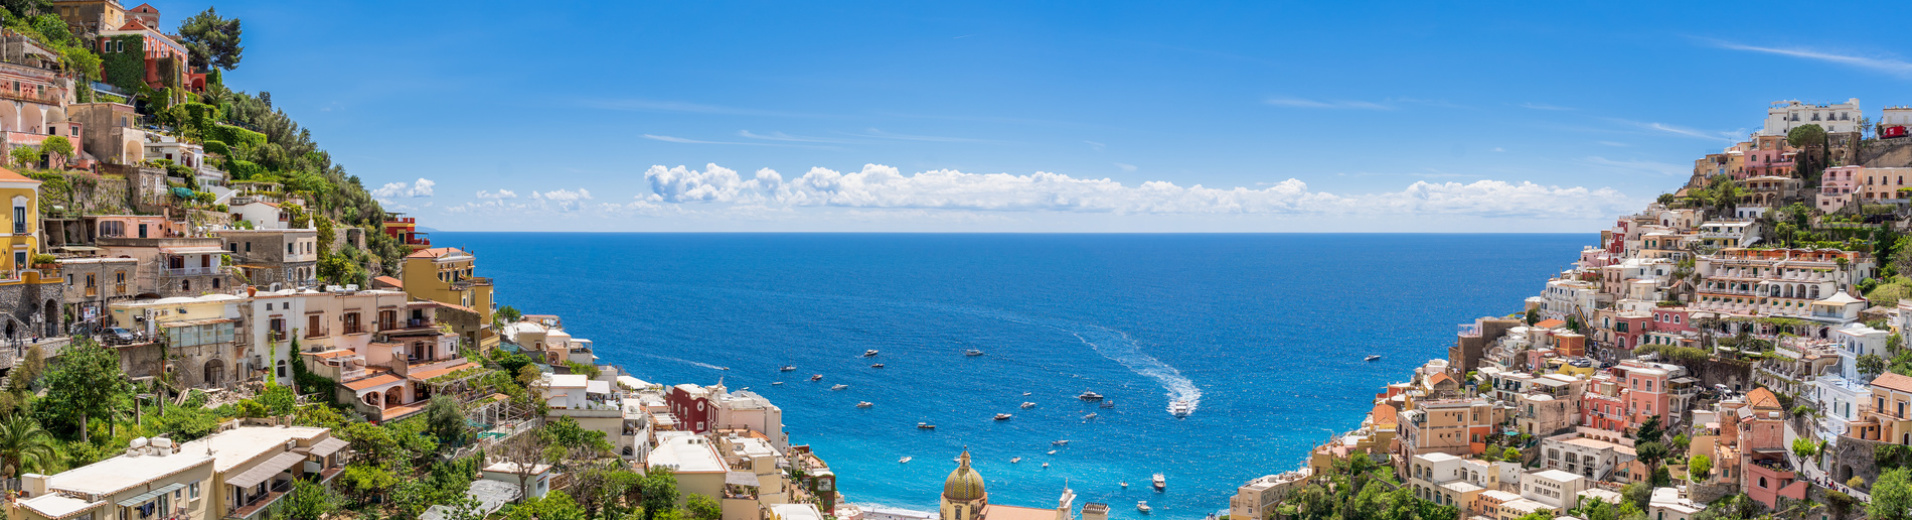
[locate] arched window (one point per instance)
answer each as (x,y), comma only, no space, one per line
(185,286)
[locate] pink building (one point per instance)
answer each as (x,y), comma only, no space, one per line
(1672,320)
(1769,156)
(1645,391)
(1837,185)
(1762,449)
(1602,407)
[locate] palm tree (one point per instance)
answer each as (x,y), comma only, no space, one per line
(24,446)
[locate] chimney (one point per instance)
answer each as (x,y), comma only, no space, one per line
(33,483)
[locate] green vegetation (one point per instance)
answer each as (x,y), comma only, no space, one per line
(1359,488)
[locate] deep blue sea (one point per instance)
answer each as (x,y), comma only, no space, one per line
(1266,332)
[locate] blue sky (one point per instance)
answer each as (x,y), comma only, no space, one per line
(1088,116)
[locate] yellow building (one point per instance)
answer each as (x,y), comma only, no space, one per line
(444,275)
(23,222)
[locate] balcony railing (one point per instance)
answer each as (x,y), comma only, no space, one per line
(190,271)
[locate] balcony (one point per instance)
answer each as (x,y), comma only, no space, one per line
(190,271)
(253,503)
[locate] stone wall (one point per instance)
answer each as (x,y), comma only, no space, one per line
(31,309)
(1853,457)
(1737,375)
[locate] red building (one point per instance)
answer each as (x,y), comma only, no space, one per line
(405,230)
(690,405)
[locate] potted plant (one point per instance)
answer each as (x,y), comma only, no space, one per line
(45,262)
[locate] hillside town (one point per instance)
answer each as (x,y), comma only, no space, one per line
(1735,350)
(205,318)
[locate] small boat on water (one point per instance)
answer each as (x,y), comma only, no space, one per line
(1125,485)
(878,365)
(1372,357)
(775,383)
(1045,464)
(818,377)
(1180,408)
(787,368)
(1143,506)
(904,460)
(1063,442)
(1108,404)
(1015,460)
(1160,483)
(1090,396)
(925,426)
(1026,394)
(1052,452)
(1003,416)
(973,352)
(839,387)
(1028,405)
(1090,417)
(869,353)
(864,404)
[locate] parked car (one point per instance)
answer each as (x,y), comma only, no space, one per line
(119,336)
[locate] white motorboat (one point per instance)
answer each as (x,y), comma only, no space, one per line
(787,368)
(1063,442)
(1125,485)
(1180,408)
(1003,416)
(869,353)
(1015,460)
(1045,464)
(1028,405)
(1052,452)
(973,353)
(904,460)
(1090,396)
(1372,357)
(878,365)
(864,404)
(839,387)
(1108,404)
(775,383)
(1159,482)
(1026,394)
(1090,417)
(925,426)
(1143,506)
(818,377)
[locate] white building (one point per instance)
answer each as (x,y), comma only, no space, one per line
(1667,504)
(1729,233)
(1253,499)
(1783,116)
(1557,489)
(261,214)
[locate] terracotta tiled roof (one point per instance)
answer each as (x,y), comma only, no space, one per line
(1384,414)
(1891,381)
(1551,324)
(1438,378)
(10,175)
(378,380)
(1762,398)
(433,252)
(388,281)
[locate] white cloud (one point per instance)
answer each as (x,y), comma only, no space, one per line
(1097,146)
(1729,137)
(561,195)
(1886,65)
(884,187)
(1125,167)
(419,188)
(500,194)
(1295,102)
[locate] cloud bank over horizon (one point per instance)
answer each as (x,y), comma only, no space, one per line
(880,187)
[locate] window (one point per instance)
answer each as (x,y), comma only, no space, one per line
(192,490)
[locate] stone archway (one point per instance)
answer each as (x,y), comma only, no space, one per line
(392,399)
(373,399)
(53,319)
(214,372)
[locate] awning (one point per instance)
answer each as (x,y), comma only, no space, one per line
(328,446)
(192,250)
(77,248)
(741,478)
(150,495)
(266,470)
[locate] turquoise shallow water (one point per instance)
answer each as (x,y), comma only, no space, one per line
(1265,332)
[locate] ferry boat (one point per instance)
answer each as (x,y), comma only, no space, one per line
(1090,396)
(839,387)
(925,426)
(1160,483)
(864,404)
(904,460)
(1003,416)
(869,353)
(818,377)
(973,353)
(878,365)
(1143,506)
(1372,357)
(1180,409)
(787,368)
(1027,405)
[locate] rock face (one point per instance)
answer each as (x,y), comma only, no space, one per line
(1893,153)
(1853,457)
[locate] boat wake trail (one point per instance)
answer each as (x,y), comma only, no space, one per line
(1109,343)
(685,361)
(1116,346)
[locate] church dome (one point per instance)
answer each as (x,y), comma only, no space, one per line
(964,484)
